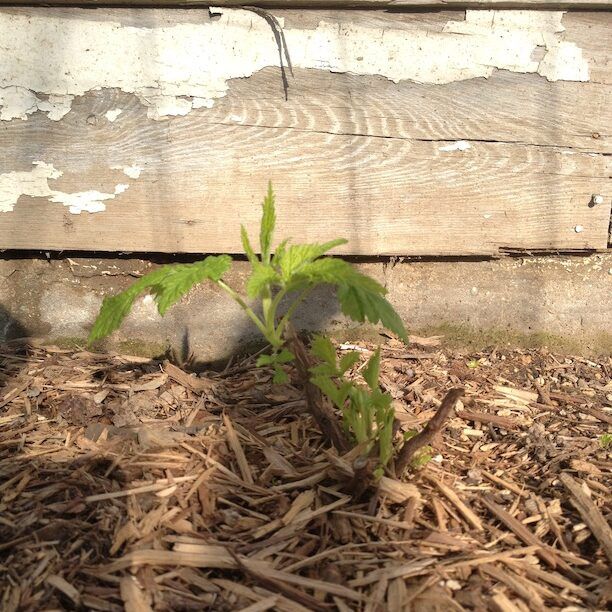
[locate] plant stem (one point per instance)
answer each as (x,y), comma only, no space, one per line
(317,404)
(434,425)
(239,300)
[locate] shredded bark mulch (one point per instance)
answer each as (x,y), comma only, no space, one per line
(130,484)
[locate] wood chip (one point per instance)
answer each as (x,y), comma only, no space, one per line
(521,531)
(240,504)
(590,513)
(65,587)
(452,496)
(134,599)
(234,442)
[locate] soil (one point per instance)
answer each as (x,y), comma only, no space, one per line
(130,484)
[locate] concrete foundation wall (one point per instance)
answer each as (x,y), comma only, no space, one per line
(554,300)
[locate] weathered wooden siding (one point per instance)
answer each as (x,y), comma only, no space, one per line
(447,133)
(338,4)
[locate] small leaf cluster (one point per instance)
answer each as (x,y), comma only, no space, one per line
(367,412)
(167,285)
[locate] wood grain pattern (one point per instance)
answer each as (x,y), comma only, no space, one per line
(336,4)
(353,156)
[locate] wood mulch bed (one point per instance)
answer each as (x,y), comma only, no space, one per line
(130,484)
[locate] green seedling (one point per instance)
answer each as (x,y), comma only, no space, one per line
(284,277)
(280,280)
(366,411)
(605,441)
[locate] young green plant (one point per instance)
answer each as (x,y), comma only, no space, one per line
(278,283)
(367,412)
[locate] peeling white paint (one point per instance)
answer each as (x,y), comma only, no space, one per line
(85,201)
(525,31)
(174,69)
(18,102)
(56,106)
(131,171)
(111,115)
(35,184)
(460,145)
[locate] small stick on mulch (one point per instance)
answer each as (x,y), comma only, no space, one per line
(434,426)
(362,478)
(317,404)
(590,513)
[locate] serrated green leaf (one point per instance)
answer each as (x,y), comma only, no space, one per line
(360,304)
(323,349)
(360,297)
(336,394)
(360,415)
(347,361)
(284,356)
(180,278)
(246,245)
(167,284)
(371,371)
(385,416)
(112,313)
(329,370)
(344,390)
(327,386)
(262,276)
(335,272)
(296,256)
(280,376)
(385,441)
(279,253)
(268,222)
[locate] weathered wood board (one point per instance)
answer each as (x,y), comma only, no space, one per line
(449,133)
(325,4)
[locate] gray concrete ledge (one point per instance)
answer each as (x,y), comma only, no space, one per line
(560,301)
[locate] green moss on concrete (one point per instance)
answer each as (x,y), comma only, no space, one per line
(467,337)
(454,336)
(67,343)
(133,346)
(604,343)
(464,336)
(143,348)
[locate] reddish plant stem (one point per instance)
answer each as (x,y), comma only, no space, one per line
(362,477)
(318,405)
(434,426)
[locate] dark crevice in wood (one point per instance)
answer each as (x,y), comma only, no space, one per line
(521,143)
(281,43)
